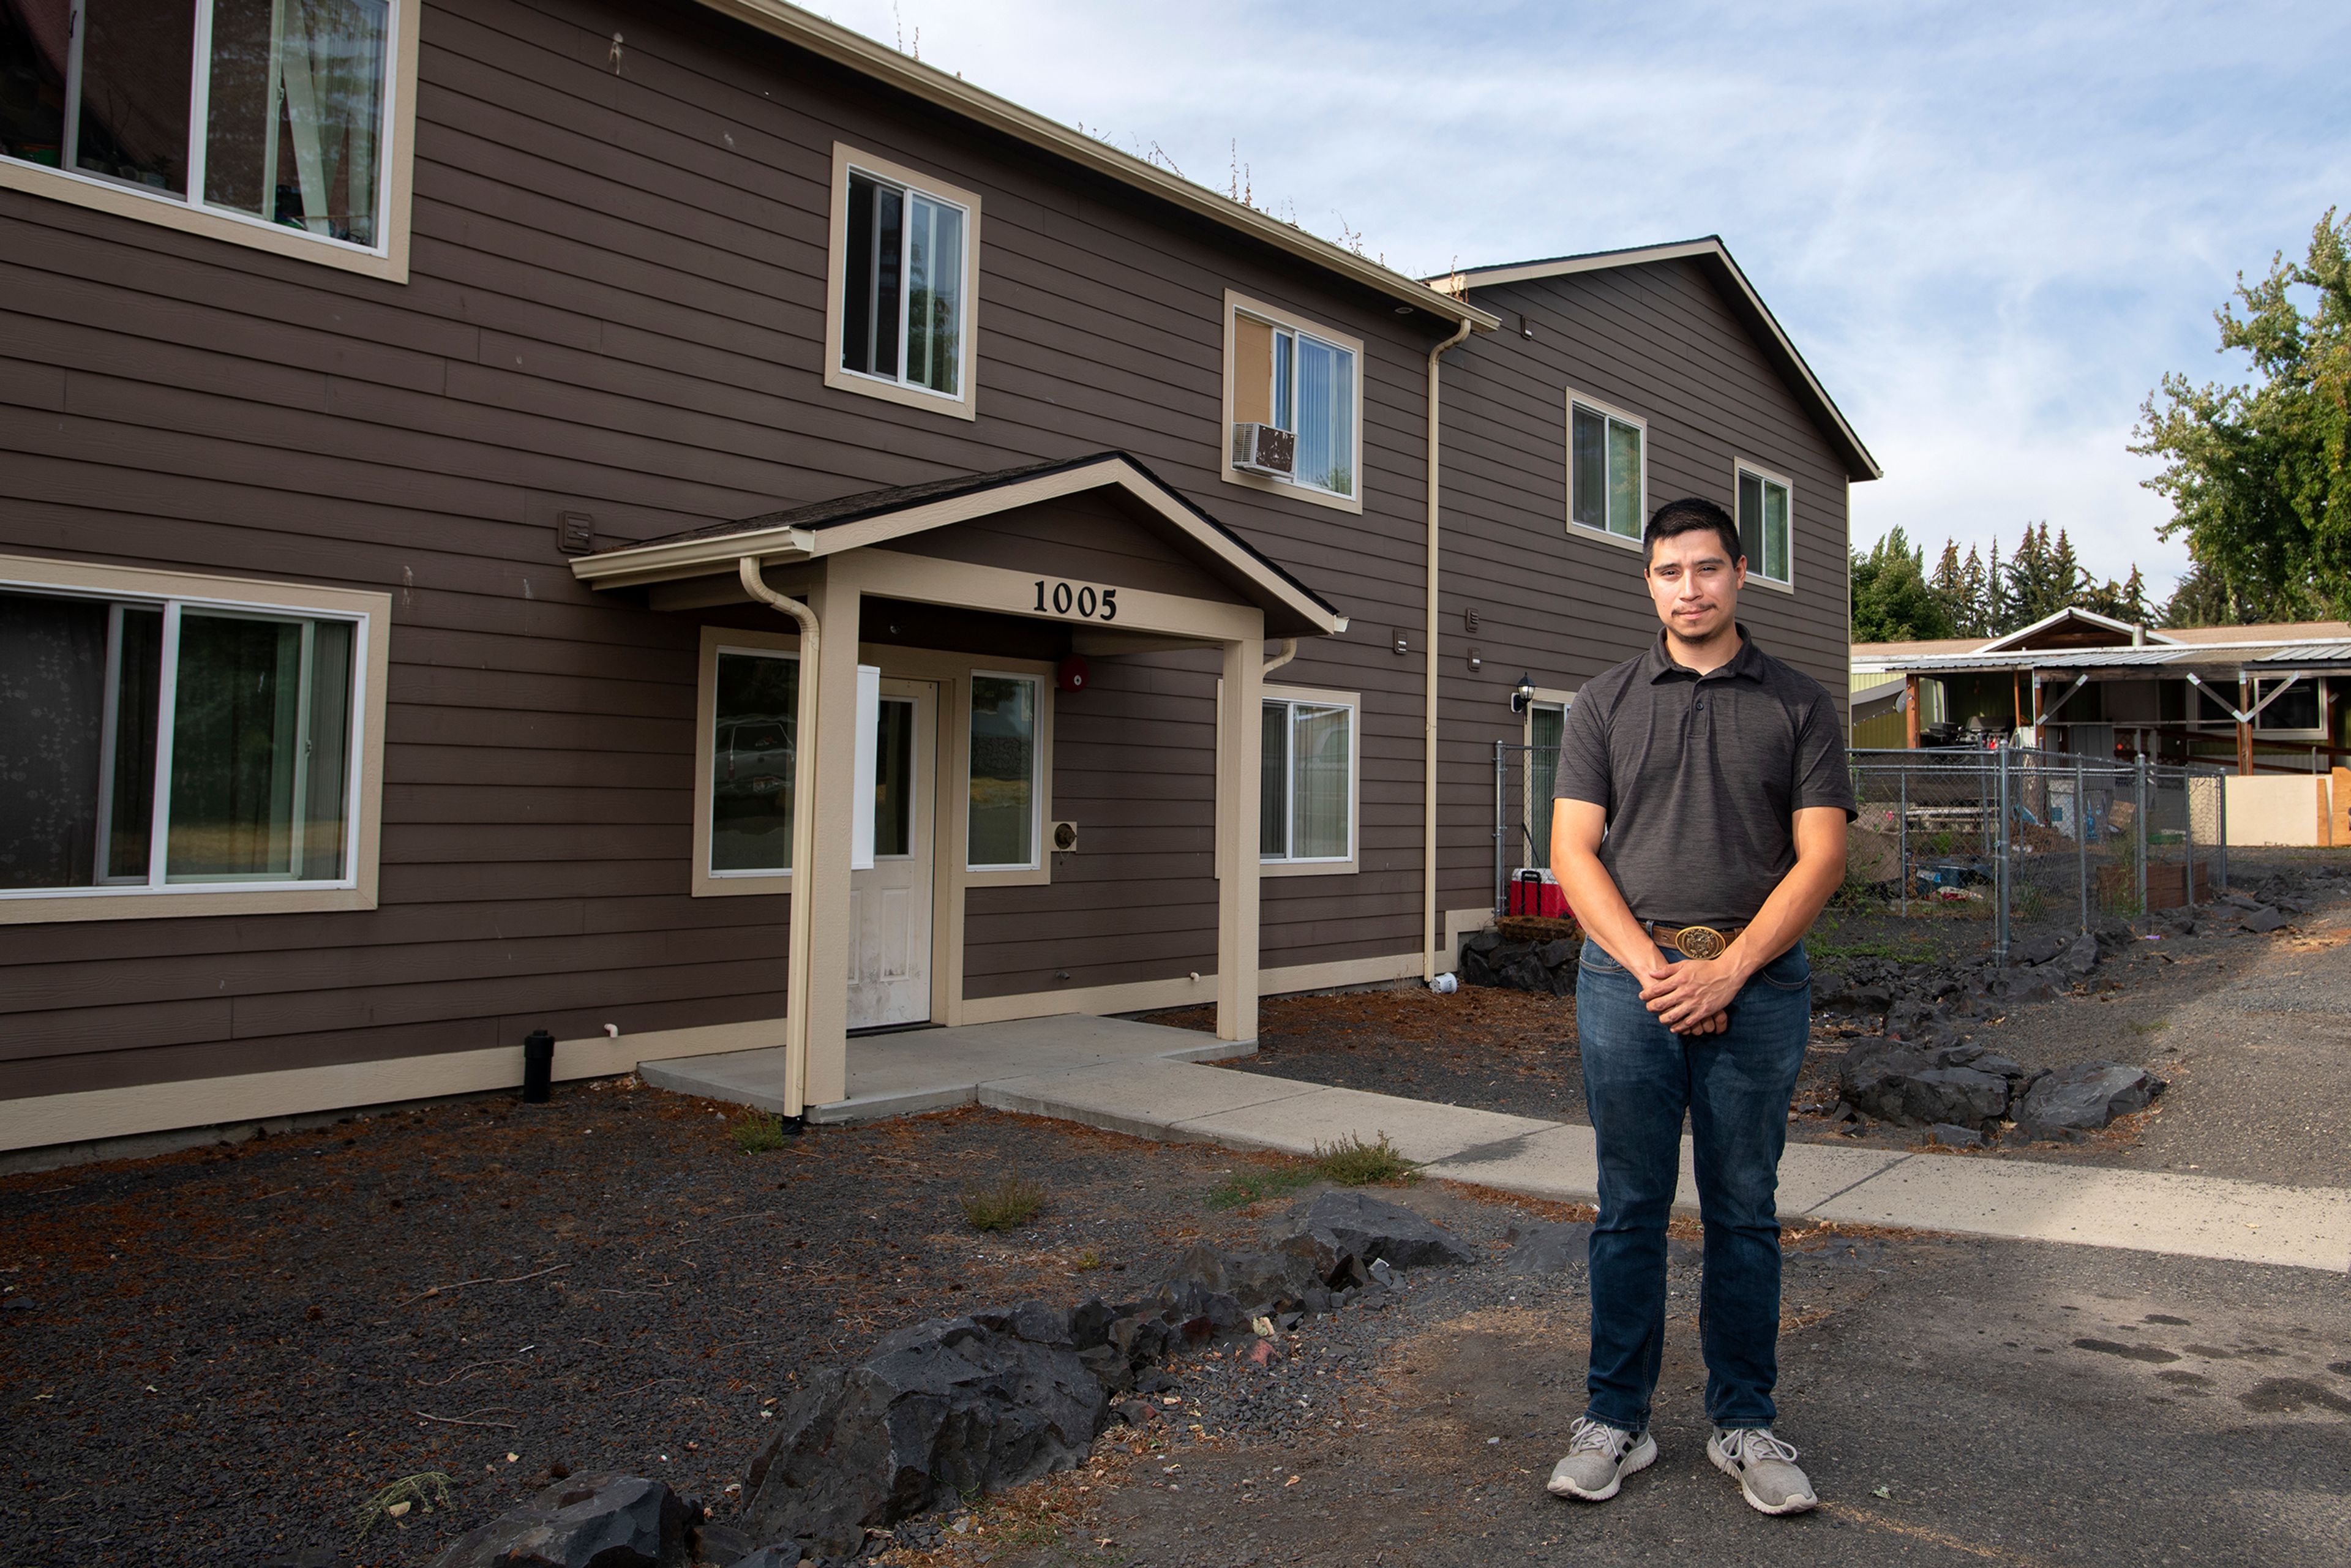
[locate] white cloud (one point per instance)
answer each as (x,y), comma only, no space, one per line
(1990,228)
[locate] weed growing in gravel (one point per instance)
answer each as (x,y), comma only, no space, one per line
(1088,1260)
(1350,1162)
(1244,1187)
(1010,1202)
(426,1489)
(756,1133)
(2151,1025)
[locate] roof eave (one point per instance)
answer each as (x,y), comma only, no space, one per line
(866,57)
(673,559)
(1710,247)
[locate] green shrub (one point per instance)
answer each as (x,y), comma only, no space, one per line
(756,1133)
(1350,1162)
(427,1489)
(1009,1203)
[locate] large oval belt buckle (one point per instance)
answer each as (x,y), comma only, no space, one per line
(1700,942)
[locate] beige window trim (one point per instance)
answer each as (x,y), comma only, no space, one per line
(388,260)
(964,404)
(1354,702)
(706,883)
(1745,466)
(1041,873)
(1545,697)
(1237,305)
(356,889)
(1624,416)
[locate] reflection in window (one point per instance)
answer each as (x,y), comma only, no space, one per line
(902,307)
(1003,822)
(293,123)
(1604,476)
(1763,526)
(257,726)
(1546,720)
(894,780)
(1306,777)
(757,713)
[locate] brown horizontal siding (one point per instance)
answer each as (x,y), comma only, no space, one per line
(616,305)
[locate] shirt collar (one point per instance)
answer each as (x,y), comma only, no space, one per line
(1745,664)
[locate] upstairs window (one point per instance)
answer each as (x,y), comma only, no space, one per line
(1294,394)
(271,110)
(1763,526)
(900,314)
(1607,473)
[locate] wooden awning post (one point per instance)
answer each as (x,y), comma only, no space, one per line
(2244,725)
(1910,712)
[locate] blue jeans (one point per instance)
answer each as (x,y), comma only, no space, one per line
(1639,1077)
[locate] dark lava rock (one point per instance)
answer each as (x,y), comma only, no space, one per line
(1256,1280)
(946,1406)
(1548,1248)
(2083,955)
(783,1555)
(1556,955)
(2084,1096)
(1922,1084)
(2264,920)
(1355,1224)
(719,1546)
(2038,949)
(582,1521)
(1952,1138)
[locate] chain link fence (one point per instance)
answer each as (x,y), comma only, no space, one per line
(2040,843)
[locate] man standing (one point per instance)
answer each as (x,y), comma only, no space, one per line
(1699,826)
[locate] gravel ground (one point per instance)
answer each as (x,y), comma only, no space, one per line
(1959,1403)
(217,1357)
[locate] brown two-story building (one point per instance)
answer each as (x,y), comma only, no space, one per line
(678,527)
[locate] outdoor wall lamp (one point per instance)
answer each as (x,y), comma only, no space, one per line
(1523,693)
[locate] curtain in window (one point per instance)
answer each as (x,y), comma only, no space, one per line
(1543,769)
(1318,778)
(1326,416)
(331,62)
(1775,532)
(1588,464)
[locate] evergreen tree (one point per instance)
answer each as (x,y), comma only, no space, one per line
(1891,600)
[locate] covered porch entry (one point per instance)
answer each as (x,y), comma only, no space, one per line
(880,680)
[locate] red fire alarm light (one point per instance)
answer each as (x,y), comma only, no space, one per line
(1071,674)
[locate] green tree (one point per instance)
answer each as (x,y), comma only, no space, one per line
(1891,600)
(2259,475)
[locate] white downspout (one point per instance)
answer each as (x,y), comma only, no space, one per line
(1289,651)
(803,932)
(1428,738)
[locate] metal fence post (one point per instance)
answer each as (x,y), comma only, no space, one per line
(2221,827)
(1902,837)
(2005,881)
(2188,838)
(2138,876)
(2082,837)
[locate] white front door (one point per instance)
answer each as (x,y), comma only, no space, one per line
(889,905)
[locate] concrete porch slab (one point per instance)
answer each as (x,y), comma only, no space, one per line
(935,1069)
(1420,1130)
(1136,1097)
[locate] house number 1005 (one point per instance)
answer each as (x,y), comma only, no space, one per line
(1078,598)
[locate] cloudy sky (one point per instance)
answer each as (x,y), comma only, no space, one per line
(1990,228)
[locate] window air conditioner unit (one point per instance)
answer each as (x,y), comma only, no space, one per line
(1265,449)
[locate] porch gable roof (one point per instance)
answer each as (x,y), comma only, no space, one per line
(802,534)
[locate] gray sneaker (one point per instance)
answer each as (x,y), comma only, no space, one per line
(1599,1458)
(1764,1467)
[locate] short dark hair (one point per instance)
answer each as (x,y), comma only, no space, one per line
(1688,516)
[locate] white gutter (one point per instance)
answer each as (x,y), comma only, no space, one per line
(796,961)
(1289,651)
(1429,732)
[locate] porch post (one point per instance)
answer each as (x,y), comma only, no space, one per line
(834,598)
(1239,753)
(1910,712)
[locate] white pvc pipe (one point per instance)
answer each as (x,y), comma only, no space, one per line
(796,961)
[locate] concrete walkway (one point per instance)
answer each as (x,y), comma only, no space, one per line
(1142,1079)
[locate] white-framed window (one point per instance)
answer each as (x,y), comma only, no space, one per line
(259,120)
(902,294)
(1607,469)
(1767,526)
(185,746)
(748,767)
(1005,797)
(1307,777)
(1305,380)
(2298,712)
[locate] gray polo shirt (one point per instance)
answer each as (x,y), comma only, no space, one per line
(1702,776)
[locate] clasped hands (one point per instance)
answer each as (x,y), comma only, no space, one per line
(1694,996)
